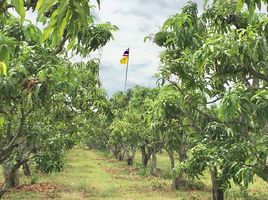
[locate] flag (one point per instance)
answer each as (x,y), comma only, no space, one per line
(124,59)
(3,68)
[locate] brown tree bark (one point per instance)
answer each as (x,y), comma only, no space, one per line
(130,157)
(154,164)
(2,192)
(10,172)
(26,169)
(178,181)
(217,191)
(171,158)
(145,156)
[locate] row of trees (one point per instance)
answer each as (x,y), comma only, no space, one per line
(217,61)
(44,98)
(211,109)
(212,106)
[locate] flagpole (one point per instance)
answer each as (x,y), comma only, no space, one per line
(126,73)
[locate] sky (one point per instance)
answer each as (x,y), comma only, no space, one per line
(135,19)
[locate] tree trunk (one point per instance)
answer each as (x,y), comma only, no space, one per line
(264,174)
(118,152)
(178,181)
(154,163)
(130,161)
(2,192)
(130,158)
(143,153)
(144,156)
(265,171)
(182,153)
(10,172)
(171,158)
(121,155)
(218,193)
(26,169)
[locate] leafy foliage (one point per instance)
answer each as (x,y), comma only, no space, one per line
(216,61)
(40,89)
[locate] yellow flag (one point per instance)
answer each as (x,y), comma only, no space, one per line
(124,60)
(3,68)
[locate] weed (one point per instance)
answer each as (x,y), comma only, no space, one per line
(143,171)
(34,178)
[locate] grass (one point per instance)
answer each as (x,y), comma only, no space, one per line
(91,175)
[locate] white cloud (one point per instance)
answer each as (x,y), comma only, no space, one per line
(135,19)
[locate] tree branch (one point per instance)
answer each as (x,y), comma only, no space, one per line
(258,75)
(61,45)
(215,100)
(6,150)
(2,192)
(2,3)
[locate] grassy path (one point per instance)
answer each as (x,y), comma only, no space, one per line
(89,175)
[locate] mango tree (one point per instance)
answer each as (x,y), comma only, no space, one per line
(139,130)
(118,126)
(130,127)
(169,121)
(35,69)
(150,142)
(221,56)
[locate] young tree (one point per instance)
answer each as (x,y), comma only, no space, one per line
(169,121)
(130,127)
(118,126)
(150,142)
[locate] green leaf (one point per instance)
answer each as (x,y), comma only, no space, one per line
(258,2)
(240,4)
(81,10)
(71,44)
(19,7)
(3,69)
(29,100)
(43,6)
(2,121)
(63,18)
(251,7)
(46,33)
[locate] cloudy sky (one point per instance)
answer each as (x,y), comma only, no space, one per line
(135,19)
